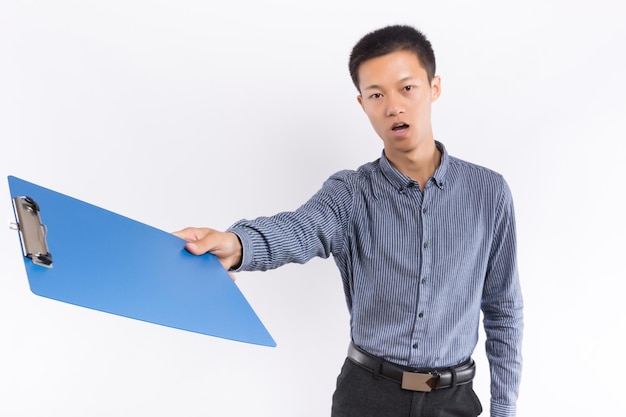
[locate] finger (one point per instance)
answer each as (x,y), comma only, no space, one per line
(185,234)
(191,234)
(207,241)
(195,249)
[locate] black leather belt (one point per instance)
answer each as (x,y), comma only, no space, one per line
(423,380)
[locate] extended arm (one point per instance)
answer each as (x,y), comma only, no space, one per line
(314,229)
(317,228)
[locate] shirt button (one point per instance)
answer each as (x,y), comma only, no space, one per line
(424,210)
(425,245)
(414,345)
(423,280)
(420,315)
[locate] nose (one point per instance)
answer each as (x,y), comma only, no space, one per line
(394,106)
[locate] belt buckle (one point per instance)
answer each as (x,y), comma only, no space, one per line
(414,381)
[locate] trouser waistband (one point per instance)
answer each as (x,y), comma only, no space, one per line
(414,380)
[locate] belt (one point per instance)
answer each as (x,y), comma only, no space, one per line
(412,379)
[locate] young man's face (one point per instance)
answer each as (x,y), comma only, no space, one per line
(396,96)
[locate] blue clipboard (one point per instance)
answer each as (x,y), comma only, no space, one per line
(84,255)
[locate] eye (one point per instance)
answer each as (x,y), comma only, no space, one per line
(408,88)
(376,95)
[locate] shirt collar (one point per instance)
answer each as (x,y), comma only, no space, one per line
(401,181)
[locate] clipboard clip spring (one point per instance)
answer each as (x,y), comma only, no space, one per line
(32,231)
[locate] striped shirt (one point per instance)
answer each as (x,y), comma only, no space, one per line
(417,266)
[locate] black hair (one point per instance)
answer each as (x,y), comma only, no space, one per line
(391,39)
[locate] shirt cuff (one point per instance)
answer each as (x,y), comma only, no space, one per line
(502,410)
(246,248)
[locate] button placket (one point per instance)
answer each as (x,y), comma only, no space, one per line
(421,309)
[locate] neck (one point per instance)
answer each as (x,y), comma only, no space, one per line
(419,164)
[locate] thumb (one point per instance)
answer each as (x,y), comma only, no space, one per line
(207,240)
(194,249)
(196,238)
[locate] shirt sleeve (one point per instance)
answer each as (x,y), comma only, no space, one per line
(502,308)
(317,228)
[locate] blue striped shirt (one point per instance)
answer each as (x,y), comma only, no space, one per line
(417,266)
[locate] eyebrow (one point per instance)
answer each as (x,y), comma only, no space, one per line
(377,87)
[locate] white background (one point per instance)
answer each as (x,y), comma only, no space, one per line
(178,113)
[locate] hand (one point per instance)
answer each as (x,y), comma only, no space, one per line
(225,245)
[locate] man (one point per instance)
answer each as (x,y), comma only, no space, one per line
(423,242)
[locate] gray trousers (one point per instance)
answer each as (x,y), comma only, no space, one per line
(360,393)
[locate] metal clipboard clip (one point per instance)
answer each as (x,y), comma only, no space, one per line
(32,231)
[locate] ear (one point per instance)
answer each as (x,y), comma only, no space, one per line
(435,88)
(359,98)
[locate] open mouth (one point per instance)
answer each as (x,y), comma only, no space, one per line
(399,126)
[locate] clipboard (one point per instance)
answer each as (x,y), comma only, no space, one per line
(84,255)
